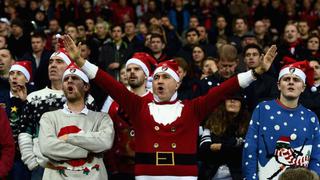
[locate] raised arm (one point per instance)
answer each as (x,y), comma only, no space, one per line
(112,87)
(206,104)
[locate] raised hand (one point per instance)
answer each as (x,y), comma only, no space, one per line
(73,50)
(267,60)
(22,92)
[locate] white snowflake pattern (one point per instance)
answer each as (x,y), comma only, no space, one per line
(250,156)
(277,127)
(264,128)
(246,145)
(272,117)
(251,122)
(260,151)
(246,163)
(255,136)
(291,115)
(52,98)
(271,137)
(278,112)
(36,100)
(258,123)
(304,129)
(302,118)
(285,124)
(294,129)
(318,145)
(302,112)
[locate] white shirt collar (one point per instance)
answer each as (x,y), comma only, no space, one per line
(66,110)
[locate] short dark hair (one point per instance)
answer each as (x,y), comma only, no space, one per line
(155,35)
(38,35)
(192,30)
(116,25)
(252,46)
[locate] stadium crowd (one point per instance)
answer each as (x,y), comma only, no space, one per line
(159,89)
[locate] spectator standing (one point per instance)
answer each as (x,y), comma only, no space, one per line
(166,116)
(73,138)
(223,139)
(283,133)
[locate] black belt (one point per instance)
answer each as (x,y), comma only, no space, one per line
(165,158)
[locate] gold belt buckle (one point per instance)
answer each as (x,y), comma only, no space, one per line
(165,159)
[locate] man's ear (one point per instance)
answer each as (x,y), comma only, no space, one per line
(86,87)
(278,84)
(178,85)
(304,87)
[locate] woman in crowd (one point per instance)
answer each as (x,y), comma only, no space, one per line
(313,47)
(209,67)
(222,140)
(198,56)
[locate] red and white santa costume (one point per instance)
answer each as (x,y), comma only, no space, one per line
(166,132)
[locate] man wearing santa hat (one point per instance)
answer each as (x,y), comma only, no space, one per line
(41,101)
(283,120)
(166,129)
(74,137)
(14,99)
(121,158)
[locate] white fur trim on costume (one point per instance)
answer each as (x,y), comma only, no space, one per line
(169,71)
(139,63)
(165,114)
(292,70)
(63,56)
(77,72)
(90,69)
(107,104)
(17,67)
(245,79)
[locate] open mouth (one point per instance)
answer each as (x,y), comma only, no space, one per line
(70,88)
(160,90)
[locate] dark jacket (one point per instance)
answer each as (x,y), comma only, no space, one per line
(40,74)
(109,54)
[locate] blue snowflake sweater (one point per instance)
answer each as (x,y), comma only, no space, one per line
(279,138)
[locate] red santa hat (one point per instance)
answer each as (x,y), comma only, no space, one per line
(284,139)
(68,130)
(170,67)
(24,67)
(62,53)
(301,69)
(144,60)
(74,69)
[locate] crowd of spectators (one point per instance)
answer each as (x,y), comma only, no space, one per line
(211,40)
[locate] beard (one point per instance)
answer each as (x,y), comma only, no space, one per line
(136,83)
